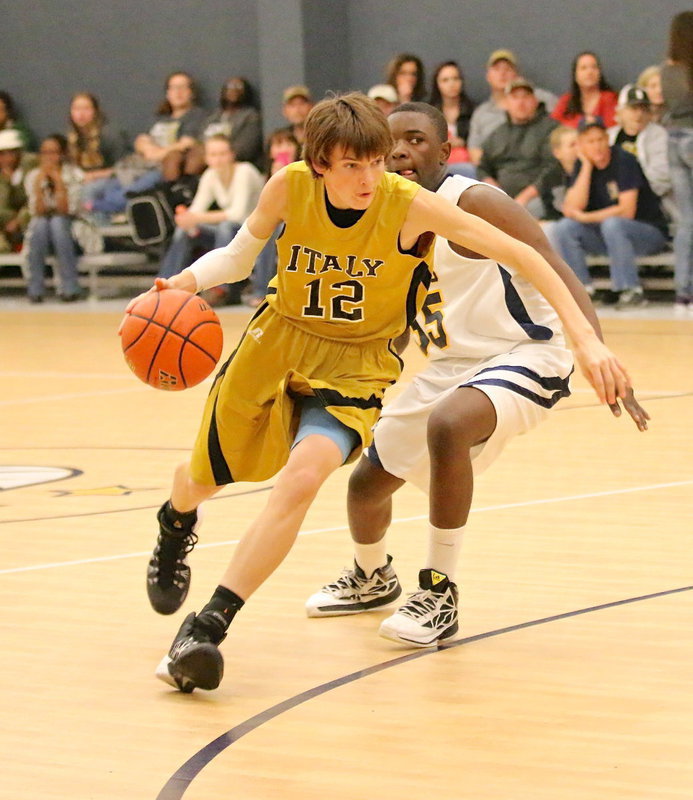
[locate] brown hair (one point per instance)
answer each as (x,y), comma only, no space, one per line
(681,42)
(393,66)
(164,108)
(219,137)
(352,121)
(84,144)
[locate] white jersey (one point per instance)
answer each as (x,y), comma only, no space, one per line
(476,308)
(485,327)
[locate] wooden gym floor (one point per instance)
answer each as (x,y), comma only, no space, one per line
(572,681)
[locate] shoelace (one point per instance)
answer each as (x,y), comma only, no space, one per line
(348,580)
(419,603)
(172,550)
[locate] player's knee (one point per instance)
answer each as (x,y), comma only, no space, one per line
(301,484)
(364,485)
(448,432)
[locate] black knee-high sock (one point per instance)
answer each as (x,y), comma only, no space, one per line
(216,616)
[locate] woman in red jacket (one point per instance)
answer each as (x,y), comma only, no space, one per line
(590,95)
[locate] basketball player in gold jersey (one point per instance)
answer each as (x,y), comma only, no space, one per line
(306,381)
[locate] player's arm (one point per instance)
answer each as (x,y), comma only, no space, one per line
(502,212)
(235,261)
(429,212)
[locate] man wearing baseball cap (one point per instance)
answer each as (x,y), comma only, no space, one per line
(14,213)
(610,209)
(517,153)
(385,97)
(501,69)
(297,102)
(637,134)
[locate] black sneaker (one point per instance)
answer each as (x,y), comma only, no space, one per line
(168,573)
(354,592)
(429,616)
(193,662)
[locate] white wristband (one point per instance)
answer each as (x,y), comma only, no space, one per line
(228,264)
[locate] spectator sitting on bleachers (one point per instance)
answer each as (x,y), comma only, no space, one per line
(14,211)
(297,102)
(239,120)
(53,189)
(553,183)
(609,208)
(233,186)
(501,69)
(175,130)
(449,96)
(9,118)
(517,153)
(590,96)
(650,79)
(636,133)
(405,73)
(92,144)
(160,154)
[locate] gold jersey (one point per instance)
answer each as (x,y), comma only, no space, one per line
(347,283)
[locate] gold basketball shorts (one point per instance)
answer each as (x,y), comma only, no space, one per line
(251,415)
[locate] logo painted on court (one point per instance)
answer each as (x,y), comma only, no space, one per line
(14,476)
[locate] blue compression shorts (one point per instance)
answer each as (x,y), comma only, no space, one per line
(315,419)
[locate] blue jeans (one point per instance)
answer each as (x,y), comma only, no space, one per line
(109,197)
(210,237)
(619,238)
(44,234)
(681,171)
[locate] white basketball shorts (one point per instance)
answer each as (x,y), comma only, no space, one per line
(523,386)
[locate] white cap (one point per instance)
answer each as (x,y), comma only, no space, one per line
(10,139)
(383,91)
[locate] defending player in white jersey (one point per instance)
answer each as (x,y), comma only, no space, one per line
(498,364)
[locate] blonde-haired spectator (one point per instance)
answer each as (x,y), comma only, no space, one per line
(650,79)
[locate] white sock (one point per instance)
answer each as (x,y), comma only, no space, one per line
(370,556)
(444,550)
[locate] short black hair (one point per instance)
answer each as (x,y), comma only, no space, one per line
(590,122)
(435,115)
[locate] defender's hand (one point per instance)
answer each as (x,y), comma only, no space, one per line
(636,411)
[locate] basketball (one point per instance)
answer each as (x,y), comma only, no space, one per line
(171,339)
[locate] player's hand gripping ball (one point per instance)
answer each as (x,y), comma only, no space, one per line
(171,339)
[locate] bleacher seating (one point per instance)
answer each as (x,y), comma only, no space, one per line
(131,267)
(656,271)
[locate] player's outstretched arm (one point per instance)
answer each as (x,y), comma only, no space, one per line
(429,212)
(504,213)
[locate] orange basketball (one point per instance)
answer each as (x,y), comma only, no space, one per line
(171,339)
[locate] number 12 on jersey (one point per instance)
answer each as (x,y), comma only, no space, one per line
(345,306)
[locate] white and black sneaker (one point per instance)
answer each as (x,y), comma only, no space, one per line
(168,573)
(631,298)
(354,593)
(429,616)
(194,660)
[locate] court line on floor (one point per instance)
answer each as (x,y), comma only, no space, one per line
(178,783)
(498,507)
(643,394)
